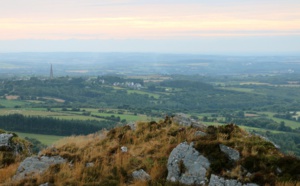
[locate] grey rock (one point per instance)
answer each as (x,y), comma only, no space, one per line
(36,165)
(200,133)
(278,170)
(46,184)
(231,153)
(185,120)
(195,165)
(141,175)
(248,175)
(132,125)
(124,149)
(5,141)
(91,164)
(219,181)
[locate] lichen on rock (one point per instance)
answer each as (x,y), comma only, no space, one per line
(187,165)
(36,165)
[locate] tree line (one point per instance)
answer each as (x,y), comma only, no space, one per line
(52,126)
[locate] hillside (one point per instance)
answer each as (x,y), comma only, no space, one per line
(169,152)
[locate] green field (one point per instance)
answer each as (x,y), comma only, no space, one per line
(12,103)
(68,115)
(245,90)
(250,129)
(156,96)
(290,123)
(45,139)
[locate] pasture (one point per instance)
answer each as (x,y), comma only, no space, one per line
(45,139)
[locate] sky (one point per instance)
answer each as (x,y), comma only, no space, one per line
(173,26)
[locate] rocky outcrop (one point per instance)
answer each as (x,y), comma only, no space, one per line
(5,142)
(185,120)
(187,166)
(132,125)
(230,152)
(141,175)
(219,181)
(36,165)
(12,149)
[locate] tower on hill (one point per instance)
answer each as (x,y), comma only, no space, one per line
(51,72)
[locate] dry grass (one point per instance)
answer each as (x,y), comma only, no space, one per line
(8,172)
(81,140)
(149,147)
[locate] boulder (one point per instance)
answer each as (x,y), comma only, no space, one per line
(219,181)
(141,175)
(36,165)
(186,165)
(185,120)
(231,153)
(5,143)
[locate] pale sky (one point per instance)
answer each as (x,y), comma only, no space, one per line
(186,26)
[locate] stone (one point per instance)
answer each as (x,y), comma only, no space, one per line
(186,165)
(5,141)
(200,133)
(36,165)
(46,184)
(231,153)
(141,175)
(124,149)
(185,120)
(132,125)
(91,164)
(219,181)
(278,170)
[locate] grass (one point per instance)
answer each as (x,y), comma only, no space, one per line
(149,147)
(44,113)
(292,124)
(244,90)
(156,96)
(128,117)
(12,103)
(45,139)
(250,129)
(69,115)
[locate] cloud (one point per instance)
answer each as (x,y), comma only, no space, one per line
(176,20)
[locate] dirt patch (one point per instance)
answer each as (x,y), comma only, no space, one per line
(12,97)
(55,99)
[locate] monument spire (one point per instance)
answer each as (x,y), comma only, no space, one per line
(51,72)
